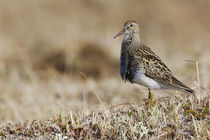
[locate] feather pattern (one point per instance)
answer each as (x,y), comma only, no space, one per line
(136,56)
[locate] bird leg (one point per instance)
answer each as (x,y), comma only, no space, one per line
(150,99)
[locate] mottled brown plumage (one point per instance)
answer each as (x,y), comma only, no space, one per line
(139,64)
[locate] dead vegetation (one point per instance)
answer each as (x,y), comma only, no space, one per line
(170,118)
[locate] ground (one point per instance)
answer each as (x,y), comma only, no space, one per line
(169,118)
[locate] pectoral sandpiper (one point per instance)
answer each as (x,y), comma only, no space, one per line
(140,65)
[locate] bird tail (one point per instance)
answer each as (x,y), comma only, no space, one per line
(182,87)
(189,90)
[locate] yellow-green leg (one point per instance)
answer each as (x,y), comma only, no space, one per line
(150,99)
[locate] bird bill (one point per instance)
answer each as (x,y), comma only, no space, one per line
(120,33)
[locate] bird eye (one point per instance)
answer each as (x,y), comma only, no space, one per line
(131,25)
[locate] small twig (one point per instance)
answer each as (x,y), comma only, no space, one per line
(188,60)
(194,123)
(83,75)
(198,79)
(161,135)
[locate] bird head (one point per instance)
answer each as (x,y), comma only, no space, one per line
(130,27)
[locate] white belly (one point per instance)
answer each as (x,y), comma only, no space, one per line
(143,80)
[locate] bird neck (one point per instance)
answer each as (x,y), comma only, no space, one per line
(133,36)
(131,42)
(136,37)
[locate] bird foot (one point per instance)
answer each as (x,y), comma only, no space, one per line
(149,101)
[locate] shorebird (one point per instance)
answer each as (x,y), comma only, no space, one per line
(140,65)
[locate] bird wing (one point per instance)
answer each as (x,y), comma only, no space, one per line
(157,70)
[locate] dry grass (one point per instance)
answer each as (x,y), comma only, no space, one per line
(56,54)
(169,118)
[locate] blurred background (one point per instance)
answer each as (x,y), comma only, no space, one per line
(61,53)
